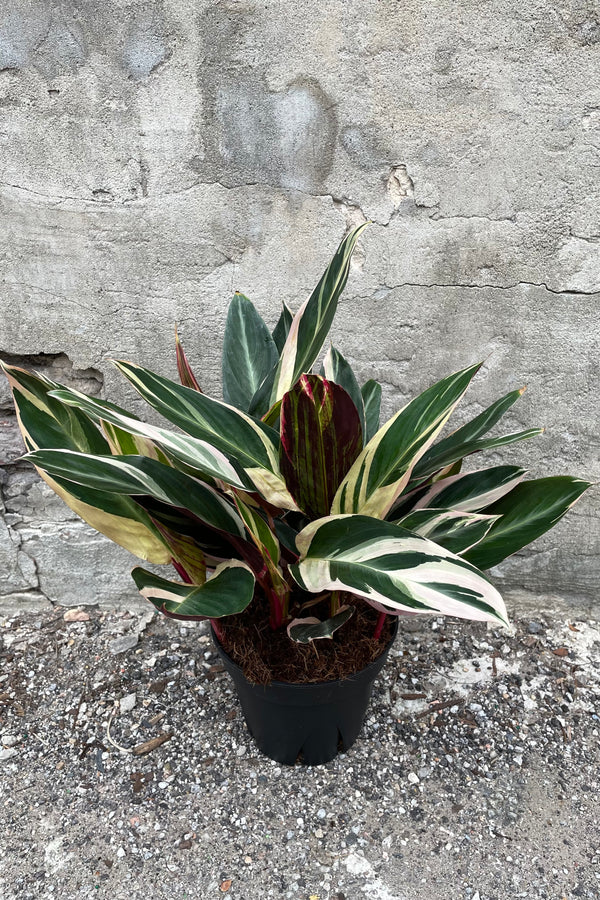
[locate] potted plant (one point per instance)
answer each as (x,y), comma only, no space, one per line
(297,525)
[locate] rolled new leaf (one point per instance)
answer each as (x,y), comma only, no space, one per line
(249,353)
(282,328)
(228,591)
(383,469)
(186,375)
(390,566)
(371,394)
(531,509)
(321,436)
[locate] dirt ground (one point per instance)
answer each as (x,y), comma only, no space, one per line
(126,770)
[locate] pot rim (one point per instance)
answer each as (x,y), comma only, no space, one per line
(310,684)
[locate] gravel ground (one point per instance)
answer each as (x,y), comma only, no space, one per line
(126,770)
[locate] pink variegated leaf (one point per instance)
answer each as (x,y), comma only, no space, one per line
(186,376)
(321,436)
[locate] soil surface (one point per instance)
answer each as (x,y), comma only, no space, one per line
(126,771)
(265,655)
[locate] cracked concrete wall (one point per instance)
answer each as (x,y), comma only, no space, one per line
(156,157)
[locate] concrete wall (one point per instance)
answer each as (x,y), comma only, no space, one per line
(156,156)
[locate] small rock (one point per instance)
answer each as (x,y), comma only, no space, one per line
(534,628)
(413,777)
(321,813)
(123,643)
(10,740)
(126,704)
(76,615)
(240,750)
(7,754)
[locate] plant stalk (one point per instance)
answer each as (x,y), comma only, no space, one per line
(334,603)
(379,626)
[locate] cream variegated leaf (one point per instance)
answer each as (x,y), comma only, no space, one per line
(450,528)
(472,491)
(228,591)
(387,565)
(383,469)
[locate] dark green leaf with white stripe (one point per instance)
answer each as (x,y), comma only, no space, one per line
(227,592)
(531,509)
(249,353)
(388,565)
(383,469)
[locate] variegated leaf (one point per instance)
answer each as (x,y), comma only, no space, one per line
(282,328)
(338,369)
(387,565)
(466,440)
(303,631)
(371,394)
(531,509)
(140,476)
(186,555)
(186,375)
(46,422)
(473,491)
(259,530)
(249,353)
(196,454)
(383,469)
(227,592)
(252,444)
(124,443)
(312,322)
(320,439)
(450,528)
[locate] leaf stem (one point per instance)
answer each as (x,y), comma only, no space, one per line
(379,626)
(334,603)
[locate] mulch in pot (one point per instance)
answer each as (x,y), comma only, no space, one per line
(265,655)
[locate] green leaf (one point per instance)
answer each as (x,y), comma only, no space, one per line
(383,469)
(249,353)
(227,592)
(282,329)
(531,509)
(371,394)
(337,369)
(387,565)
(46,422)
(303,631)
(320,439)
(245,440)
(140,476)
(258,529)
(187,556)
(312,322)
(459,443)
(473,491)
(450,528)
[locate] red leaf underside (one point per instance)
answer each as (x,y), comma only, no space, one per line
(321,437)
